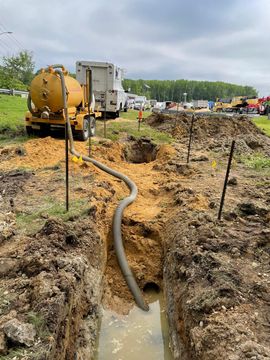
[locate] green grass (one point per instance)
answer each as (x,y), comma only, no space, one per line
(22,353)
(39,323)
(263,123)
(133,114)
(5,300)
(16,354)
(6,139)
(257,161)
(30,222)
(12,111)
(117,130)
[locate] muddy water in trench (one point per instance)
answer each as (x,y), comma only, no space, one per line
(138,335)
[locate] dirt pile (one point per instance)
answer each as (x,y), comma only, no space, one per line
(46,276)
(11,183)
(217,281)
(49,283)
(215,131)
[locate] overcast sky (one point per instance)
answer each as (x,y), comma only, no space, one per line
(225,40)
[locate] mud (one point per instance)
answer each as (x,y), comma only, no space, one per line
(13,181)
(57,269)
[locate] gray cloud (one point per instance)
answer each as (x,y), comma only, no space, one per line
(153,39)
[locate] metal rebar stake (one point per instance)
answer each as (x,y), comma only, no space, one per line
(176,117)
(89,138)
(190,137)
(226,180)
(67,172)
(139,124)
(105,118)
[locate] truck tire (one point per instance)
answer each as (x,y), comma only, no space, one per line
(83,134)
(87,131)
(92,126)
(44,130)
(29,130)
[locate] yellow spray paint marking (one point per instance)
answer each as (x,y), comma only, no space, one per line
(77,160)
(214,164)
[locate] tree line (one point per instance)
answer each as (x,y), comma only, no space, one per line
(174,90)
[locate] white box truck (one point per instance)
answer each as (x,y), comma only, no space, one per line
(110,97)
(200,104)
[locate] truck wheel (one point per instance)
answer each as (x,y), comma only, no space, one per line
(92,126)
(44,130)
(114,115)
(29,130)
(84,134)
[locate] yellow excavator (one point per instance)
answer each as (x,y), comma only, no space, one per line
(222,105)
(46,107)
(236,104)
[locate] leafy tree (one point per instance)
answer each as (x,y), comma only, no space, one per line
(7,82)
(17,71)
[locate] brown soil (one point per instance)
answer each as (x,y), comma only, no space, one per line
(215,131)
(215,274)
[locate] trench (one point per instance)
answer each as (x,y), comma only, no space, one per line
(136,319)
(135,334)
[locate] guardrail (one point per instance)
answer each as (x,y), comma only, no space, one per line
(13,92)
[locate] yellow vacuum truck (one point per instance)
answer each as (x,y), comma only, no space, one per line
(46,108)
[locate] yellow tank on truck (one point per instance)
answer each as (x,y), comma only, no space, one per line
(46,107)
(45,91)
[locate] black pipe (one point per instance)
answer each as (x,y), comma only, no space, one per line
(29,105)
(117,220)
(190,137)
(226,180)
